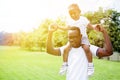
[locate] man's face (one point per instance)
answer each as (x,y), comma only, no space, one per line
(74,38)
(74,13)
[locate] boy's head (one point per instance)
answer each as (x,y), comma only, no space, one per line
(74,11)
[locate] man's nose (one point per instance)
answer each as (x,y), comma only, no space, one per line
(71,40)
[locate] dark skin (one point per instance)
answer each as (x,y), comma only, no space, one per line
(107,50)
(74,39)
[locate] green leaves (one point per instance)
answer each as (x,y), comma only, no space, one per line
(111,20)
(114,30)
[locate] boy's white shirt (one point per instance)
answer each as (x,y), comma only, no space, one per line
(81,23)
(77,63)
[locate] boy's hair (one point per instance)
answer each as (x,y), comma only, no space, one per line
(74,5)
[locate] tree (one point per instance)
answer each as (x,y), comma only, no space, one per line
(114,30)
(95,38)
(97,17)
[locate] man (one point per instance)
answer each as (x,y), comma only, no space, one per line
(77,61)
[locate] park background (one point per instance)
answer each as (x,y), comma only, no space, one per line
(23,37)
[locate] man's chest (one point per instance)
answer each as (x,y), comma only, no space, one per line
(76,55)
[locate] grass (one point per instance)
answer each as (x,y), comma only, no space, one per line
(17,64)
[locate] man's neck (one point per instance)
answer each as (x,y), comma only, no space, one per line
(78,46)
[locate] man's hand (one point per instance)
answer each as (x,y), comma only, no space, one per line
(99,28)
(53,27)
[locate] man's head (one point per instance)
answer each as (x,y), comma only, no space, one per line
(74,37)
(74,11)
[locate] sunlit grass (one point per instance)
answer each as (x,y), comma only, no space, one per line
(17,64)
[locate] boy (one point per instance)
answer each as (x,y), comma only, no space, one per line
(83,23)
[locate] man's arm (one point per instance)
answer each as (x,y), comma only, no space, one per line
(50,48)
(107,51)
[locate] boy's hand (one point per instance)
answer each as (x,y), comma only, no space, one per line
(53,27)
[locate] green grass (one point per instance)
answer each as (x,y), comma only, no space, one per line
(17,64)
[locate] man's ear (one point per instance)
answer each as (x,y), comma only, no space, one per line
(80,35)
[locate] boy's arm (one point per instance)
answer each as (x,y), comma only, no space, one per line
(64,27)
(50,48)
(90,26)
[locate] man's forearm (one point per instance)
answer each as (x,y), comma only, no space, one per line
(108,45)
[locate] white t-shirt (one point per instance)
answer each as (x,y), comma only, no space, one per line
(77,63)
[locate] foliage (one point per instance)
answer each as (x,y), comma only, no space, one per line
(112,24)
(41,33)
(114,30)
(96,38)
(59,36)
(36,40)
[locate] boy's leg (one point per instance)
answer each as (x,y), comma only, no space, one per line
(65,56)
(66,52)
(89,58)
(63,69)
(88,52)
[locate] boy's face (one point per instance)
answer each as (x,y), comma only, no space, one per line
(74,13)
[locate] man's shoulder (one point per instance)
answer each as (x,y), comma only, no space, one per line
(94,49)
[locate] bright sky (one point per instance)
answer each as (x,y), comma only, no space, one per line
(16,15)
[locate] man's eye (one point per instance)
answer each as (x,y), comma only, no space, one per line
(70,37)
